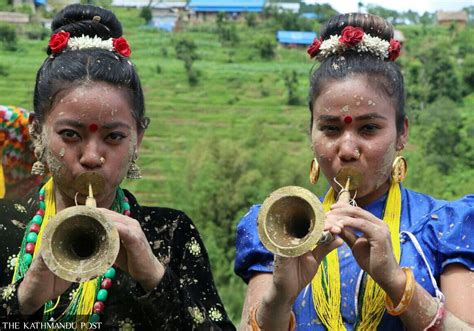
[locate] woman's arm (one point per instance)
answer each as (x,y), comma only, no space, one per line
(457,284)
(273,295)
(374,253)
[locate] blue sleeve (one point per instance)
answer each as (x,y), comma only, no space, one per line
(251,256)
(449,235)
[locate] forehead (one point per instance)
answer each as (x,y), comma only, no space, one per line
(92,102)
(355,96)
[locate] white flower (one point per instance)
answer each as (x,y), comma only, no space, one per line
(196,314)
(7,292)
(76,43)
(369,44)
(12,260)
(215,314)
(193,247)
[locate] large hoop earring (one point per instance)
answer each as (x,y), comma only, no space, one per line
(314,171)
(399,169)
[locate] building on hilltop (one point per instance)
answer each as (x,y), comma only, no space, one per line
(293,7)
(295,38)
(448,18)
(166,15)
(204,10)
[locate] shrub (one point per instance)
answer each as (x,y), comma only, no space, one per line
(8,37)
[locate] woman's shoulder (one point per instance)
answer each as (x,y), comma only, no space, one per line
(157,216)
(422,207)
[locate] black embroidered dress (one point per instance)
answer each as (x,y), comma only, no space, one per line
(185,299)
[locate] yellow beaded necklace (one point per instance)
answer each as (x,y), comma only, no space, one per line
(326,284)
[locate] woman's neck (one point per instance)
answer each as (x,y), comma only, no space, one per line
(374,195)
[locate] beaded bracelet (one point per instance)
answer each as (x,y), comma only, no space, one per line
(256,327)
(436,322)
(410,286)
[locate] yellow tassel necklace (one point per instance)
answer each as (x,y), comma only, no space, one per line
(326,284)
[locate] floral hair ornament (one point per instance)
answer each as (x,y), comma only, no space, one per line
(354,38)
(62,40)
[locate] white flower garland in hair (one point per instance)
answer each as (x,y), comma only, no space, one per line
(369,44)
(354,38)
(83,42)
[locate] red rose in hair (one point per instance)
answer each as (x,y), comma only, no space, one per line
(394,49)
(313,49)
(121,46)
(351,36)
(58,42)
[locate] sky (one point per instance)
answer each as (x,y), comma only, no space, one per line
(419,6)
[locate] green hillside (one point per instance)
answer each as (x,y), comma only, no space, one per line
(216,148)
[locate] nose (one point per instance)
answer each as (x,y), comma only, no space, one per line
(91,156)
(348,148)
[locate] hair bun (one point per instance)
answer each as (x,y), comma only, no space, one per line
(374,25)
(87,20)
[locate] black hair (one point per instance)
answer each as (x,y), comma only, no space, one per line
(69,69)
(382,75)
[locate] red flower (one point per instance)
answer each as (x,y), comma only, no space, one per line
(121,46)
(58,42)
(394,49)
(313,49)
(351,36)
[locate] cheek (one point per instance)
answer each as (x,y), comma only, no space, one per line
(323,149)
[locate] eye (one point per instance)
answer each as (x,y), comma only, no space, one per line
(329,129)
(115,137)
(69,135)
(369,128)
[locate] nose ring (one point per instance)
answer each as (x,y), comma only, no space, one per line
(102,160)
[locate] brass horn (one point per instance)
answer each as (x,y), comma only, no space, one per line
(79,243)
(291,219)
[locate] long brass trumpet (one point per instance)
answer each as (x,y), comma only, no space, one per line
(291,219)
(79,243)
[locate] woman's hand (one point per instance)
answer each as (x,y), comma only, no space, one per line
(373,249)
(292,274)
(39,286)
(135,256)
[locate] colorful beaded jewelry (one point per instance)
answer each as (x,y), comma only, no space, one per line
(105,281)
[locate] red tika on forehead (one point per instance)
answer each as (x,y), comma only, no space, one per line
(93,127)
(348,119)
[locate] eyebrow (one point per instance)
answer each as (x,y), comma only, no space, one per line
(331,118)
(115,125)
(80,125)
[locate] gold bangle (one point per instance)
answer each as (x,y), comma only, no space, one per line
(255,327)
(410,286)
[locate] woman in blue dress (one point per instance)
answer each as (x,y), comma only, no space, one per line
(400,259)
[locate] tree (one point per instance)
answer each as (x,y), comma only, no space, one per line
(291,83)
(266,47)
(439,71)
(186,51)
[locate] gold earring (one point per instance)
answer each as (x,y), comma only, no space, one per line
(38,167)
(133,170)
(314,171)
(399,169)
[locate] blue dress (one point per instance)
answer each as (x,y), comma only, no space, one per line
(433,234)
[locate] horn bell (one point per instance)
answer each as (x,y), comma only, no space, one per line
(80,244)
(291,221)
